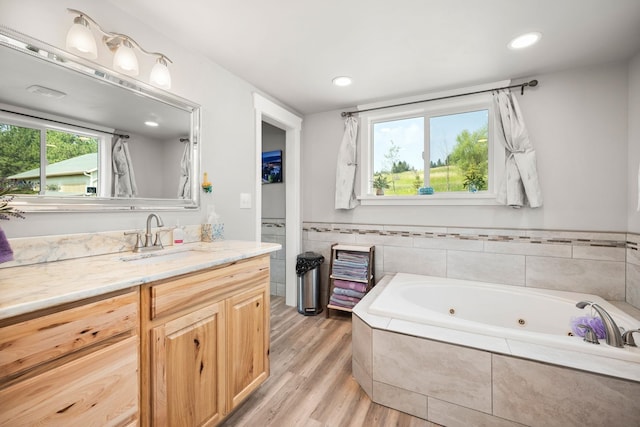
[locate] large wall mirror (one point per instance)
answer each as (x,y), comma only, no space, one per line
(76,136)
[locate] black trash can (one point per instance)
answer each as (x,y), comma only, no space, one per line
(308,271)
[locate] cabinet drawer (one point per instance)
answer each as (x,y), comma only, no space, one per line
(171,296)
(31,342)
(98,389)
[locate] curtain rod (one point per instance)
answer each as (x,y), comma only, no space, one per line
(65,123)
(531,83)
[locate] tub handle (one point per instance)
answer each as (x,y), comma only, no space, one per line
(627,337)
(589,335)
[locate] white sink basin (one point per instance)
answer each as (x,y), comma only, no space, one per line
(157,257)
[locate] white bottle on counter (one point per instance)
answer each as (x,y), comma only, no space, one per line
(178,234)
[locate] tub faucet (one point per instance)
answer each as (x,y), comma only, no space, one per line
(627,337)
(611,330)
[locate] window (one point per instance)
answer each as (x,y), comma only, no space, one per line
(36,158)
(446,145)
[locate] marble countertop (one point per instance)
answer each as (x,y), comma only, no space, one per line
(24,289)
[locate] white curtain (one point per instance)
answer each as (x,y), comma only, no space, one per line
(184,187)
(520,184)
(124,180)
(346,168)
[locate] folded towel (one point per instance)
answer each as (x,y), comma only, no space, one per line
(344,284)
(345,298)
(348,292)
(345,304)
(6,254)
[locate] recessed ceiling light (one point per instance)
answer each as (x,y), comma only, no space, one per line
(525,40)
(342,81)
(151,124)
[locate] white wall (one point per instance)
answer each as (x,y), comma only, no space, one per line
(273,195)
(577,121)
(634,145)
(227,139)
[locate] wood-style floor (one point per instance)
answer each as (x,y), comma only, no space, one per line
(311,383)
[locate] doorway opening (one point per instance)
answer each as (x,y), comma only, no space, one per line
(278,117)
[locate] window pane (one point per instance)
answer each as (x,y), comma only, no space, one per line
(19,159)
(459,151)
(72,164)
(397,154)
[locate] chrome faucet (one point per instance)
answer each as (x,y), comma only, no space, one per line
(611,330)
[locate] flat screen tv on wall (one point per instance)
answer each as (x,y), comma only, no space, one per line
(271,166)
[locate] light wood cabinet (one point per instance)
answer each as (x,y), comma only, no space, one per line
(248,343)
(187,360)
(205,343)
(73,365)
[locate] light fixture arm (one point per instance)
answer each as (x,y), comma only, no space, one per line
(113,40)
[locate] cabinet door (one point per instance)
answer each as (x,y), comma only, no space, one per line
(187,362)
(247,343)
(97,389)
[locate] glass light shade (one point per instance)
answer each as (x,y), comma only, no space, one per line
(125,59)
(160,75)
(80,40)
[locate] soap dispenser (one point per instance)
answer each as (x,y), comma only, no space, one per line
(178,234)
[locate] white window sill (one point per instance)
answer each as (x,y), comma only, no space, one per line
(442,199)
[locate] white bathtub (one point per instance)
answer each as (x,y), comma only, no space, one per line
(495,317)
(460,353)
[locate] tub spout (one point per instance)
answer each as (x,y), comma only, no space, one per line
(611,330)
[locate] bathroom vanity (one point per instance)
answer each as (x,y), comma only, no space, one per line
(180,340)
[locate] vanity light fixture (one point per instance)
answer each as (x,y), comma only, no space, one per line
(80,40)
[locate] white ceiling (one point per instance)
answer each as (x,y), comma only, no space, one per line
(291,49)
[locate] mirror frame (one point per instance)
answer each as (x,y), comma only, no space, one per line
(12,39)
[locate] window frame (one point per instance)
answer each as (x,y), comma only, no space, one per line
(43,125)
(428,109)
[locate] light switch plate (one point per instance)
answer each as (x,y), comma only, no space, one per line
(245,201)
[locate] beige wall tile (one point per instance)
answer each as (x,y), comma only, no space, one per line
(361,343)
(400,399)
(633,285)
(521,248)
(431,262)
(362,378)
(633,256)
(603,278)
(455,374)
(537,394)
(388,240)
(448,243)
(599,253)
(450,415)
(496,268)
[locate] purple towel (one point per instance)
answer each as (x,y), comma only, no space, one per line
(344,284)
(6,254)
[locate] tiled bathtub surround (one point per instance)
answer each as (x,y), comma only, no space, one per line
(449,378)
(602,263)
(34,250)
(273,231)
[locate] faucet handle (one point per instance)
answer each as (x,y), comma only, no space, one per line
(158,239)
(138,239)
(590,335)
(627,337)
